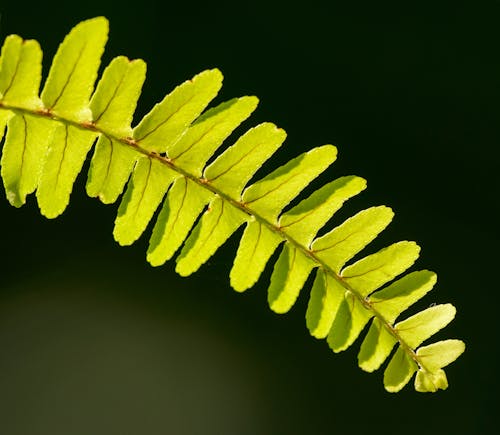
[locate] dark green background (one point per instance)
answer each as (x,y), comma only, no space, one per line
(94,341)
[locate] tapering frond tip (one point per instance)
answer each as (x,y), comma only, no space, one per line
(434,357)
(427,360)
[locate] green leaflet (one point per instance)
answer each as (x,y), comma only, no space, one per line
(304,220)
(394,299)
(268,196)
(430,382)
(376,347)
(326,296)
(65,156)
(371,272)
(20,72)
(27,139)
(164,125)
(74,70)
(110,169)
(423,325)
(114,101)
(350,319)
(399,371)
(216,225)
(164,159)
(113,105)
(256,247)
(232,170)
(344,242)
(184,203)
(438,355)
(150,180)
(209,131)
(289,275)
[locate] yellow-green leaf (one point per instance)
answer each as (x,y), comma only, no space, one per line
(74,70)
(184,202)
(147,186)
(256,247)
(162,127)
(375,270)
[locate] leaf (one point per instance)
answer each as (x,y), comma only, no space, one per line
(115,98)
(326,296)
(160,129)
(232,170)
(289,275)
(216,225)
(209,131)
(399,371)
(430,382)
(373,271)
(184,203)
(344,242)
(424,324)
(20,72)
(256,247)
(349,321)
(376,347)
(65,156)
(74,70)
(438,355)
(110,169)
(394,299)
(268,196)
(27,139)
(150,180)
(304,220)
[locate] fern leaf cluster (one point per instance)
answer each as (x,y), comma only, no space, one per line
(162,163)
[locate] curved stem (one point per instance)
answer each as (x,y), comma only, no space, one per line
(238,204)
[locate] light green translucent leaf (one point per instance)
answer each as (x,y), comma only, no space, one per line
(232,170)
(268,196)
(147,186)
(110,168)
(215,227)
(438,355)
(397,297)
(424,324)
(256,247)
(114,101)
(20,72)
(375,270)
(350,320)
(65,157)
(184,203)
(326,296)
(303,221)
(345,241)
(22,159)
(74,70)
(399,371)
(376,347)
(203,138)
(289,275)
(162,127)
(426,382)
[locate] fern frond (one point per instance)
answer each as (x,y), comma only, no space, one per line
(162,162)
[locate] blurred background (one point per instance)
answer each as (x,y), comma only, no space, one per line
(95,341)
